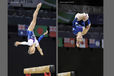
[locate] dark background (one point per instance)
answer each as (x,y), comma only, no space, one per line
(18,57)
(85,62)
(84,2)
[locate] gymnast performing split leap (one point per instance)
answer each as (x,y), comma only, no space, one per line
(32,41)
(80,26)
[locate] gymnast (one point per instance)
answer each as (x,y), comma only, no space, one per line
(32,41)
(80,26)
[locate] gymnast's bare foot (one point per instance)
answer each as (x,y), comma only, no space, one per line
(17,43)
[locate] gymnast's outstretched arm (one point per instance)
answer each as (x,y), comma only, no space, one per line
(40,50)
(38,47)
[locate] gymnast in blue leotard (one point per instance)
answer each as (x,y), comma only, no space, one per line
(32,41)
(80,26)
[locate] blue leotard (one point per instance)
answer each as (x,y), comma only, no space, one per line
(32,36)
(77,26)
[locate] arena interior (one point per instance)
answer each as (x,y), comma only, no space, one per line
(20,12)
(88,59)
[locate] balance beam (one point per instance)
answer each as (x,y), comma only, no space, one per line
(47,70)
(72,73)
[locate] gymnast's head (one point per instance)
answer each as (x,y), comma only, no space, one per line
(85,16)
(31,50)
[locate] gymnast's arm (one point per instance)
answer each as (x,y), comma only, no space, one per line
(40,50)
(42,36)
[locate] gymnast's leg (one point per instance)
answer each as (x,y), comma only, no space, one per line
(33,23)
